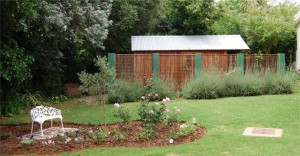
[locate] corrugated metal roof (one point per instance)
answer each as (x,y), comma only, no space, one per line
(198,42)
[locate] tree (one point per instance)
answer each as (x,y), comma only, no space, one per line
(15,60)
(68,35)
(186,17)
(130,17)
(97,84)
(266,28)
(48,42)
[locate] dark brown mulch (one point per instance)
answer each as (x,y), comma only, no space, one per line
(12,146)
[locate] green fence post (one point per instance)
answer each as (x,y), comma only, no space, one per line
(198,65)
(112,60)
(281,63)
(240,62)
(155,64)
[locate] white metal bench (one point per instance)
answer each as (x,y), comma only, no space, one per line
(43,113)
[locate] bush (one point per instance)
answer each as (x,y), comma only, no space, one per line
(4,136)
(207,86)
(121,113)
(162,88)
(123,91)
(214,85)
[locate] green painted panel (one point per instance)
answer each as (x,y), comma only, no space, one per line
(155,64)
(281,63)
(112,60)
(198,65)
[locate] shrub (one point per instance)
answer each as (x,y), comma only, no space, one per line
(119,136)
(27,142)
(172,115)
(186,129)
(121,113)
(157,89)
(207,86)
(214,85)
(162,89)
(123,91)
(151,113)
(4,136)
(101,135)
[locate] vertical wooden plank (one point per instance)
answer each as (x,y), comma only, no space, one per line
(198,65)
(281,63)
(155,64)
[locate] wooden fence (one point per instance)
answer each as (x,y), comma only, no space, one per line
(178,68)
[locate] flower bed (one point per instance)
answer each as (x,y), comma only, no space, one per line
(12,146)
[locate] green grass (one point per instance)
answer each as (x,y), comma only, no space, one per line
(225,120)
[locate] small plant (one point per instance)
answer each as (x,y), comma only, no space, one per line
(49,142)
(27,142)
(68,140)
(172,115)
(186,129)
(4,136)
(152,113)
(100,136)
(121,113)
(144,134)
(124,91)
(119,136)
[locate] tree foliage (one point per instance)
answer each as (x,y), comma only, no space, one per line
(265,27)
(130,17)
(183,17)
(49,42)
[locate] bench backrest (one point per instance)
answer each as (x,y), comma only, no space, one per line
(41,111)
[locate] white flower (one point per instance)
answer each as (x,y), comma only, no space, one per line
(156,103)
(183,126)
(194,120)
(143,97)
(168,99)
(65,28)
(151,111)
(116,105)
(171,141)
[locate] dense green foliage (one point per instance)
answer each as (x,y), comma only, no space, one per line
(266,27)
(45,43)
(179,17)
(123,91)
(130,17)
(214,85)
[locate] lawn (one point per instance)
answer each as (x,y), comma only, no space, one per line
(225,120)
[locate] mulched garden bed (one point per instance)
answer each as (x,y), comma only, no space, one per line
(11,146)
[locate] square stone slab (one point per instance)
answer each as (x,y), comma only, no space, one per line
(263,132)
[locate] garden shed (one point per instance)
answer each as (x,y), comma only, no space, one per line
(176,54)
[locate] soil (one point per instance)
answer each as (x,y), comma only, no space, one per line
(11,146)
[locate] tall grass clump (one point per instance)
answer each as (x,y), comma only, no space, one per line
(215,85)
(277,83)
(162,87)
(207,86)
(125,91)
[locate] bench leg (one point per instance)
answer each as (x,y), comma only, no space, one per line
(42,134)
(62,125)
(31,128)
